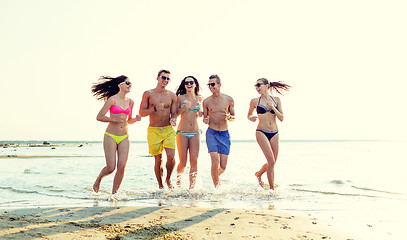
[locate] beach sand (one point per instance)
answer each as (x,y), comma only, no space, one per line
(161,223)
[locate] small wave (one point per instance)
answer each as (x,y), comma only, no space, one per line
(18,190)
(376,190)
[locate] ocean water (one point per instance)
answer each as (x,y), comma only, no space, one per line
(359,186)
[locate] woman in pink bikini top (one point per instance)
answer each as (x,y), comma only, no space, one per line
(116,139)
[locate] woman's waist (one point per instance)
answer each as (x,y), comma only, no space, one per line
(117,129)
(188,127)
(268,127)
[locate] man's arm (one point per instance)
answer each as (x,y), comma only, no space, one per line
(231,116)
(144,110)
(205,111)
(174,110)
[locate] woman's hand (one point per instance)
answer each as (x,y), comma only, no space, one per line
(119,118)
(253,118)
(173,121)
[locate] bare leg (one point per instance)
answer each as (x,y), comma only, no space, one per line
(169,165)
(265,146)
(258,174)
(194,145)
(122,156)
(223,163)
(215,168)
(109,146)
(158,170)
(182,145)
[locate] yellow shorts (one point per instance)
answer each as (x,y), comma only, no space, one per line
(159,138)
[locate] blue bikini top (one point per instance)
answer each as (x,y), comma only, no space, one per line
(196,108)
(261,109)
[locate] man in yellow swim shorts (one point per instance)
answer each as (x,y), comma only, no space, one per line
(161,105)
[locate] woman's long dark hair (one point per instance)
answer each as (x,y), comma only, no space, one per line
(276,85)
(182,90)
(107,87)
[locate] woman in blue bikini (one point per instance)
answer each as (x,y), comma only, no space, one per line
(188,139)
(268,109)
(116,138)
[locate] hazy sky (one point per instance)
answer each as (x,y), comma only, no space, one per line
(346,62)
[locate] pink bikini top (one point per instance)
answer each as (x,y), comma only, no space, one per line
(117,109)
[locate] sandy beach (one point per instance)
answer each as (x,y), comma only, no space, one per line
(161,223)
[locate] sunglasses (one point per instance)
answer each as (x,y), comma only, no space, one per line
(258,84)
(189,82)
(127,83)
(211,84)
(165,78)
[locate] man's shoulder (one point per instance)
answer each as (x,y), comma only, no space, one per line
(227,97)
(147,93)
(207,99)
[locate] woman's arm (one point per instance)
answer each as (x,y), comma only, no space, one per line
(181,110)
(132,120)
(279,111)
(102,113)
(252,106)
(200,99)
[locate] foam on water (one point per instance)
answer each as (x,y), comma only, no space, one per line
(354,181)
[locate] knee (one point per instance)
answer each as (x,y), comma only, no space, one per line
(182,164)
(271,162)
(121,167)
(171,157)
(193,169)
(110,169)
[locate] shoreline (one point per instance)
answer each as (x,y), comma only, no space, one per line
(165,222)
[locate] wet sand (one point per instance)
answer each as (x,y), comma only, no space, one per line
(161,223)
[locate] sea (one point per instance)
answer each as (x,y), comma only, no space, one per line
(358,186)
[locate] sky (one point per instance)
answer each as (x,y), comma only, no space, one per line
(345,60)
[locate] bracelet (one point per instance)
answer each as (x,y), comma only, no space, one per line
(155,108)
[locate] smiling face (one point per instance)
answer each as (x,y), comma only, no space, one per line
(164,79)
(261,87)
(125,86)
(190,84)
(213,85)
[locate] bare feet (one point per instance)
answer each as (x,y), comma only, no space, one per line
(192,180)
(220,171)
(96,185)
(179,179)
(168,181)
(261,183)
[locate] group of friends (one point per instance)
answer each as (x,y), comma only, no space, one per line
(164,107)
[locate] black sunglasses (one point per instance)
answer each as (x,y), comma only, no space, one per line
(165,78)
(127,83)
(189,82)
(259,84)
(211,84)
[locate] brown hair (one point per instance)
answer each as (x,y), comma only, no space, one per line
(163,71)
(276,85)
(215,76)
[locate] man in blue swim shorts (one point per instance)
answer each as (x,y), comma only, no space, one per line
(218,109)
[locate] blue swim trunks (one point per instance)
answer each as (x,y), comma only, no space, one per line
(218,141)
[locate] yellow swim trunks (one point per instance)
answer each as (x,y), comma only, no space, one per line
(159,138)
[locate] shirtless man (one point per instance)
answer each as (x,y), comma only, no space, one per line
(161,105)
(217,109)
